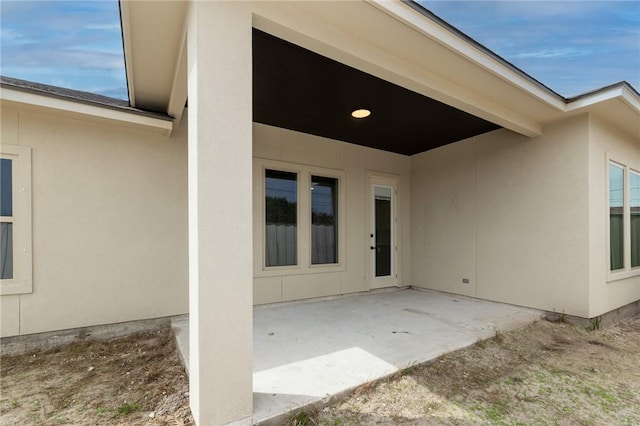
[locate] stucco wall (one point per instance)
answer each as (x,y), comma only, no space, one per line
(508,213)
(109,223)
(273,143)
(608,290)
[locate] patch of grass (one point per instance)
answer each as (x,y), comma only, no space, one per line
(494,413)
(60,420)
(595,323)
(606,398)
(513,380)
(301,418)
(128,408)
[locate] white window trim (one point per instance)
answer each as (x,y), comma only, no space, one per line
(627,271)
(22,281)
(304,173)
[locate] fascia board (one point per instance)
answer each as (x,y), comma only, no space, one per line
(621,91)
(436,32)
(125,24)
(95,111)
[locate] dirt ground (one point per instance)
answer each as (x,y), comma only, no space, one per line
(136,380)
(546,373)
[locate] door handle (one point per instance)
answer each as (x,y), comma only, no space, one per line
(372,248)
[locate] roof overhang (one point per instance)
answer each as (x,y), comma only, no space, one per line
(300,90)
(618,104)
(31,98)
(395,41)
(154,41)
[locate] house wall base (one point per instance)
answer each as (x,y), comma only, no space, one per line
(37,342)
(600,321)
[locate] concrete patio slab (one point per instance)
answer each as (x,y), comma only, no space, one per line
(308,352)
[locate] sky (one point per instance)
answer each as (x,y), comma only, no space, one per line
(570,46)
(76,44)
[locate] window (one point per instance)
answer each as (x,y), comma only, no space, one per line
(624,221)
(6,223)
(301,229)
(634,205)
(281,212)
(324,220)
(616,216)
(15,219)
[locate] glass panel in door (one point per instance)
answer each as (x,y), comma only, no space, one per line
(383,230)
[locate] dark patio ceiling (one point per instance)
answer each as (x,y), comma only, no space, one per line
(300,90)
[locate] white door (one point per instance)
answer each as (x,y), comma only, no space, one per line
(382,226)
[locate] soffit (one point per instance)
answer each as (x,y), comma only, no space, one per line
(617,112)
(153,34)
(389,40)
(423,48)
(300,90)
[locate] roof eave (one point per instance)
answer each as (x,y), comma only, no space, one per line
(126,116)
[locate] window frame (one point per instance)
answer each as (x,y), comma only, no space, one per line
(627,271)
(632,171)
(264,219)
(337,219)
(22,281)
(304,225)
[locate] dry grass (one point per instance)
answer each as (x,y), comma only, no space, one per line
(135,380)
(546,373)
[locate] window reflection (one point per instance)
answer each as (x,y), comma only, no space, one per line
(281,193)
(324,220)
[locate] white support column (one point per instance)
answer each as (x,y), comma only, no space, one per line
(220,233)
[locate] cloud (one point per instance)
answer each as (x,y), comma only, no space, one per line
(103,27)
(44,57)
(13,37)
(73,44)
(552,53)
(594,42)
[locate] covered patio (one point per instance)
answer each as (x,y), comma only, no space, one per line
(306,353)
(272,89)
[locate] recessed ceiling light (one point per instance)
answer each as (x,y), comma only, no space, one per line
(361,113)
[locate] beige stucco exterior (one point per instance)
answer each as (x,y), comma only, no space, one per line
(220,234)
(109,222)
(509,213)
(523,219)
(354,162)
(607,290)
(136,217)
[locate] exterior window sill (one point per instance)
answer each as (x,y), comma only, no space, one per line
(12,287)
(622,274)
(313,269)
